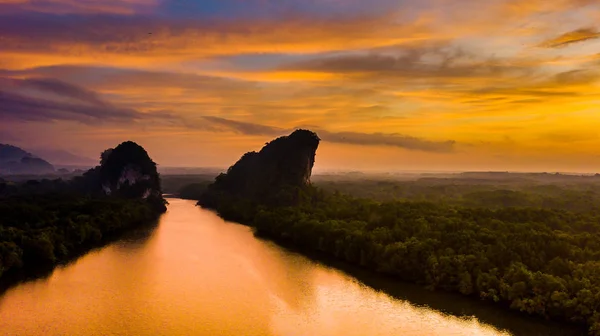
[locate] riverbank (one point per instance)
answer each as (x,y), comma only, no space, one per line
(448,302)
(195,274)
(451,303)
(41,232)
(509,257)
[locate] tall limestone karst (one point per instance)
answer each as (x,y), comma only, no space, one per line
(125,171)
(272,176)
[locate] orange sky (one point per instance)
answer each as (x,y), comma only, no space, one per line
(388,85)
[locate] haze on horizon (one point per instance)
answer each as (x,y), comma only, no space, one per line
(387,84)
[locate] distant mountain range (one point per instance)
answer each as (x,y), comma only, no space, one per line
(62,158)
(16,161)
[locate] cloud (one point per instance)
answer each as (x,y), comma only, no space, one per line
(568,136)
(62,89)
(54,100)
(393,73)
(24,108)
(121,79)
(351,138)
(77,6)
(419,62)
(246,128)
(36,40)
(561,87)
(577,77)
(575,36)
(190,30)
(189,95)
(383,139)
(230,9)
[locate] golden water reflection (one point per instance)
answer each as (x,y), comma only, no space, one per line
(198,275)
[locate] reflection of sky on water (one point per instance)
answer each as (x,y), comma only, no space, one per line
(195,274)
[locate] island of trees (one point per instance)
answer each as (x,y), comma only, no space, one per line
(48,222)
(530,250)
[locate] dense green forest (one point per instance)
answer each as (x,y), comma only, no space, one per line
(40,231)
(186,186)
(549,191)
(578,194)
(532,246)
(47,222)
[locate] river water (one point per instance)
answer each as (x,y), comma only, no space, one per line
(195,274)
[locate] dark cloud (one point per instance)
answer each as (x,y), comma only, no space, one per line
(578,76)
(352,138)
(136,36)
(576,36)
(20,107)
(246,128)
(357,63)
(63,89)
(532,91)
(541,90)
(80,6)
(416,62)
(56,100)
(223,9)
(384,139)
(98,78)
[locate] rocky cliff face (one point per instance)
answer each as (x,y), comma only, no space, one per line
(124,171)
(128,171)
(283,163)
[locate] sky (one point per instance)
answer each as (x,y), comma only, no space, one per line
(388,85)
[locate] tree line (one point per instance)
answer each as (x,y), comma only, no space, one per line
(47,222)
(542,261)
(37,232)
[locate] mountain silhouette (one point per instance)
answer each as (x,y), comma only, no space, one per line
(16,161)
(269,176)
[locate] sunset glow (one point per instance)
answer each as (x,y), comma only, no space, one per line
(387,85)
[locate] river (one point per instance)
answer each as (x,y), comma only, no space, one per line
(195,274)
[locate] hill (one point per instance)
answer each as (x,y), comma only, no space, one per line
(47,222)
(16,161)
(270,176)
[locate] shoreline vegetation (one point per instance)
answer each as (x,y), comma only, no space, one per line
(42,232)
(465,254)
(527,242)
(540,260)
(447,302)
(51,222)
